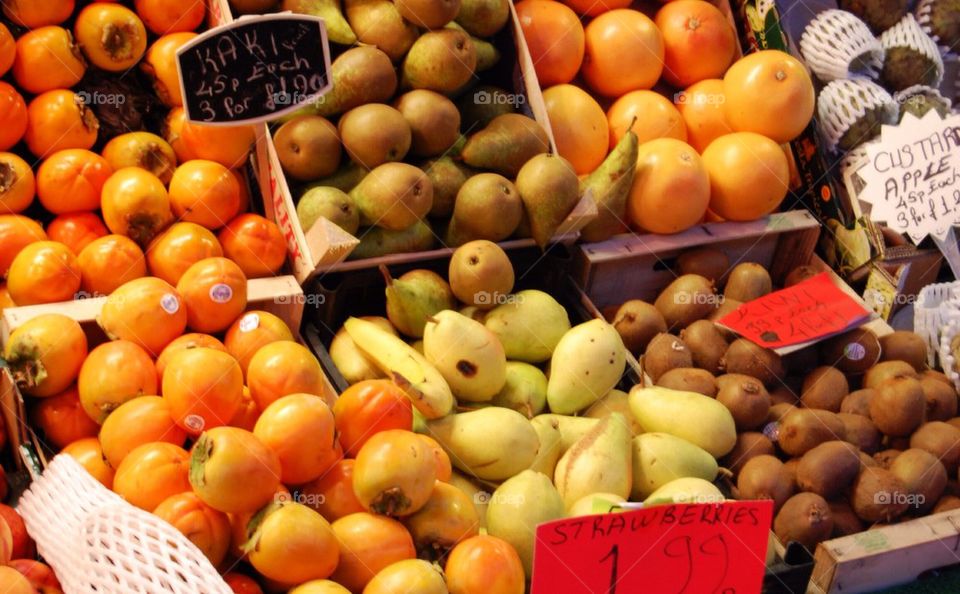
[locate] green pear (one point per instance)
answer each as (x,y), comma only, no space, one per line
(685,490)
(379,23)
(414,297)
(490,443)
(550,190)
(699,419)
(429,14)
(529,325)
(659,458)
(609,186)
(477,494)
(614,401)
(442,61)
(488,206)
(524,389)
(587,363)
(518,506)
(598,462)
(506,144)
(345,179)
(466,354)
(393,196)
(377,241)
(331,204)
(595,503)
(338,30)
(352,364)
(571,429)
(483,18)
(551,444)
(480,273)
(360,75)
(447,176)
(487,53)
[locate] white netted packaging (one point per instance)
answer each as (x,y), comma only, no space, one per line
(844,103)
(936,306)
(908,34)
(97,542)
(948,360)
(927,11)
(837,44)
(927,94)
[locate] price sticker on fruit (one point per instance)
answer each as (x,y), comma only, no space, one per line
(670,549)
(254,69)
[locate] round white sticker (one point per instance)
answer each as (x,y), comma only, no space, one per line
(854,351)
(220,293)
(170,303)
(194,423)
(249,322)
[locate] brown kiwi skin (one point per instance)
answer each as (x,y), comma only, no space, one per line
(841,353)
(866,460)
(941,399)
(936,375)
(803,429)
(955,421)
(726,306)
(748,281)
(665,352)
(782,394)
(904,346)
(743,356)
(824,388)
(764,477)
(689,379)
(638,322)
(845,521)
(709,263)
(750,444)
(947,503)
(923,475)
(886,457)
(858,402)
(799,274)
(687,299)
(828,469)
(878,495)
(940,439)
(898,407)
(745,398)
(791,467)
(778,411)
(861,432)
(885,370)
(801,362)
(707,344)
(804,518)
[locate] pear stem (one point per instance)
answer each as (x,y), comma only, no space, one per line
(386,274)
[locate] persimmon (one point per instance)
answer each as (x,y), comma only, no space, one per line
(113,373)
(178,248)
(699,41)
(173,134)
(144,419)
(44,355)
(409,575)
(160,64)
(226,145)
(144,150)
(394,474)
(43,272)
(62,419)
(670,188)
(204,192)
(151,473)
(241,584)
(555,39)
(203,388)
(136,204)
(240,524)
(187,341)
(37,13)
(367,408)
(146,311)
(88,454)
(623,52)
(749,176)
(58,120)
(214,293)
(16,232)
(170,16)
(255,243)
(225,457)
(109,262)
(701,106)
(8,49)
(368,544)
(294,544)
(5,302)
(319,587)
(284,367)
(247,414)
(204,526)
(442,460)
(76,230)
(654,114)
(251,331)
(579,126)
(299,428)
(17,184)
(13,116)
(111,36)
(484,565)
(48,59)
(332,493)
(72,180)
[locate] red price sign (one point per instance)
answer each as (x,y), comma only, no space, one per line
(703,548)
(810,310)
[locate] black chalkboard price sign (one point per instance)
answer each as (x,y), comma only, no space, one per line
(254,69)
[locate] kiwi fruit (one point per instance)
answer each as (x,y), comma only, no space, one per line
(783,394)
(866,460)
(743,356)
(803,429)
(638,322)
(941,399)
(609,312)
(665,352)
(940,439)
(726,306)
(936,375)
(745,398)
(857,402)
(896,443)
(828,469)
(947,503)
(898,407)
(854,351)
(881,372)
(790,466)
(953,488)
(710,263)
(802,361)
(799,274)
(748,281)
(824,388)
(778,411)
(689,379)
(845,522)
(878,495)
(750,444)
(904,346)
(886,457)
(687,299)
(804,518)
(924,476)
(955,421)
(706,343)
(764,477)
(861,432)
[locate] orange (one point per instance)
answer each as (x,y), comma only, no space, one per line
(88,454)
(113,373)
(58,120)
(701,105)
(135,422)
(112,36)
(43,272)
(227,145)
(555,39)
(699,41)
(214,292)
(170,16)
(108,262)
(48,59)
(151,473)
(72,180)
(204,526)
(160,64)
(76,230)
(144,150)
(770,93)
(16,232)
(624,52)
(13,116)
(62,418)
(255,243)
(579,126)
(749,176)
(136,204)
(670,189)
(146,311)
(653,113)
(8,49)
(180,247)
(204,192)
(37,13)
(17,184)
(595,7)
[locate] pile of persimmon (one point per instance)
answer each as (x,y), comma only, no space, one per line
(124,207)
(709,123)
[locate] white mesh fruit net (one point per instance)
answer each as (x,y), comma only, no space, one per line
(836,44)
(842,102)
(97,542)
(907,33)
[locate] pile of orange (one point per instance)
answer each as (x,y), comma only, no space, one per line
(709,123)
